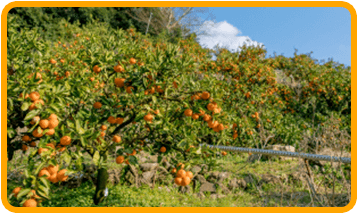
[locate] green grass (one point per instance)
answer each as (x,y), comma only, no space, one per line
(254,196)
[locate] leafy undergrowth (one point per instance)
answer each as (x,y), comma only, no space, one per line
(255,195)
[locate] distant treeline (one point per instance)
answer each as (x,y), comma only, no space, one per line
(116,17)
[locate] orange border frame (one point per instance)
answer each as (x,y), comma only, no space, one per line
(346,5)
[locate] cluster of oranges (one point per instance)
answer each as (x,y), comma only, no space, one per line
(35,98)
(46,126)
(212,106)
(183,178)
(32,202)
(52,174)
(120,159)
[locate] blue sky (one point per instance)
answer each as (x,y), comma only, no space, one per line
(325,30)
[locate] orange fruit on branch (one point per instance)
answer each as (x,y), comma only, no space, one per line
(181,173)
(97,105)
(44,123)
(16,191)
(65,140)
(26,138)
(148,117)
(61,175)
(119,159)
(34,96)
(188,112)
(44,172)
(185,181)
(178,181)
(53,124)
(132,61)
(96,69)
(111,120)
(30,203)
(205,95)
(116,139)
(162,149)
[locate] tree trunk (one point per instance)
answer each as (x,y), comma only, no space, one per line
(102,178)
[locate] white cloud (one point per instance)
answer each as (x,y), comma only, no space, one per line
(223,34)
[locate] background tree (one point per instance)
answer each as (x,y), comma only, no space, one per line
(171,19)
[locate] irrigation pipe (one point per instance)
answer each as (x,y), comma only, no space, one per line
(281,153)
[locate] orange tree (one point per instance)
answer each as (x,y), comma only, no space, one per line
(94,92)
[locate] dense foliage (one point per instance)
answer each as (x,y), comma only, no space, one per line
(95,91)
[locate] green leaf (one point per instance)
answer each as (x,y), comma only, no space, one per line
(25,106)
(78,126)
(43,192)
(154,98)
(32,114)
(11,132)
(23,192)
(96,158)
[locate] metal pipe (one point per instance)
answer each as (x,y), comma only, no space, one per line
(150,17)
(281,153)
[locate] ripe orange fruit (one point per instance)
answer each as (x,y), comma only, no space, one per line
(34,96)
(65,141)
(97,105)
(210,106)
(103,134)
(16,191)
(24,147)
(189,174)
(220,127)
(44,123)
(195,116)
(53,124)
(119,159)
(52,169)
(37,132)
(162,149)
(132,61)
(103,127)
(224,153)
(178,181)
(111,120)
(52,61)
(26,138)
(30,203)
(44,172)
(52,117)
(188,112)
(96,69)
(32,144)
(185,181)
(213,124)
(205,95)
(119,120)
(61,175)
(181,173)
(119,82)
(118,68)
(148,117)
(174,170)
(50,132)
(116,139)
(129,89)
(53,178)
